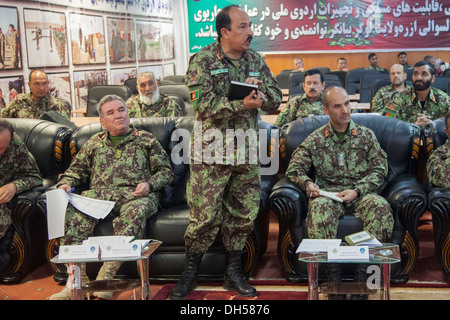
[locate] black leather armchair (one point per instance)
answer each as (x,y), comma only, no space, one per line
(23,247)
(170,223)
(439,198)
(406,196)
(95,93)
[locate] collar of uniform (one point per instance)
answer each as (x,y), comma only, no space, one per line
(430,97)
(135,133)
(44,101)
(351,131)
(221,55)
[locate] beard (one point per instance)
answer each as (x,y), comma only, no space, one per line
(149,100)
(421,85)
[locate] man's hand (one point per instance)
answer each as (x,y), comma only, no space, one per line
(65,187)
(256,98)
(312,189)
(347,195)
(141,190)
(422,119)
(7,192)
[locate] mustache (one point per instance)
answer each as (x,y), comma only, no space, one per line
(250,38)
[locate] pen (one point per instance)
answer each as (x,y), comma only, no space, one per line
(71,190)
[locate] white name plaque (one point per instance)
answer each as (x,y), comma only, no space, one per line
(348,253)
(78,252)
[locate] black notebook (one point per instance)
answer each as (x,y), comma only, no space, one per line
(239,90)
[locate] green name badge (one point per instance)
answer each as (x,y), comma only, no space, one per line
(254,74)
(219,71)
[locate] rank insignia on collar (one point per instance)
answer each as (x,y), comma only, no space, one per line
(354,133)
(135,132)
(104,136)
(219,55)
(327,132)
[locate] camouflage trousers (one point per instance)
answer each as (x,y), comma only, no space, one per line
(129,218)
(5,219)
(224,198)
(372,210)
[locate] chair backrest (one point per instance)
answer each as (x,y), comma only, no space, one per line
(295,82)
(366,85)
(176,78)
(332,80)
(181,91)
(95,93)
(377,84)
(323,69)
(409,73)
(400,140)
(283,78)
(47,142)
(353,80)
(447,73)
(342,75)
(441,83)
(131,83)
(434,135)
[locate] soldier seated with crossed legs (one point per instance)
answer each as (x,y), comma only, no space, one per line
(124,165)
(346,158)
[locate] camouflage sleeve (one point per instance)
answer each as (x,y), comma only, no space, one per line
(80,167)
(377,102)
(270,89)
(162,175)
(10,110)
(438,167)
(64,109)
(377,166)
(300,164)
(287,115)
(133,107)
(27,175)
(176,109)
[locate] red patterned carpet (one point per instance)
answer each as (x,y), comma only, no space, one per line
(268,278)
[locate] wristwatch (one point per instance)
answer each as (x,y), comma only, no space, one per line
(358,193)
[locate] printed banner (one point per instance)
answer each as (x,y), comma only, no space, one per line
(330,25)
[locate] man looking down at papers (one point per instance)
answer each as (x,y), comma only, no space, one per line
(346,159)
(124,165)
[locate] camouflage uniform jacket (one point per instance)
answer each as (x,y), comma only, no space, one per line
(164,107)
(299,107)
(377,68)
(208,77)
(406,107)
(356,161)
(438,166)
(138,158)
(18,166)
(23,106)
(384,95)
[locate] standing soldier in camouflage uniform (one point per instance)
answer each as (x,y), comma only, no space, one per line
(310,103)
(421,103)
(124,165)
(18,171)
(348,160)
(385,94)
(438,165)
(224,195)
(150,102)
(34,104)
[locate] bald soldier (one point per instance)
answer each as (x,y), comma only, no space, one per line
(309,103)
(124,165)
(349,161)
(223,194)
(150,102)
(34,104)
(438,165)
(18,171)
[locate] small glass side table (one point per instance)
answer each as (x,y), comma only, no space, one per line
(384,256)
(112,285)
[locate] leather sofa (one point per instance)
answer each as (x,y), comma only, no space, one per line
(439,198)
(169,224)
(405,194)
(23,247)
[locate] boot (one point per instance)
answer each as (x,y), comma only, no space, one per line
(66,292)
(107,272)
(233,277)
(188,279)
(333,273)
(360,276)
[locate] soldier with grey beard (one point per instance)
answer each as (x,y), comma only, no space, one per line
(149,102)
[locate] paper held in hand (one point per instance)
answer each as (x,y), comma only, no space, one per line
(331,195)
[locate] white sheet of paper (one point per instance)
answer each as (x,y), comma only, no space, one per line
(331,195)
(97,209)
(317,245)
(57,201)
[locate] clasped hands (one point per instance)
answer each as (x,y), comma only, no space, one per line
(142,189)
(256,98)
(312,190)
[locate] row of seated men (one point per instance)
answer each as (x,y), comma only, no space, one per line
(148,103)
(418,104)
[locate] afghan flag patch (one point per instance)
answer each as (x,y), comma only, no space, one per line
(194,95)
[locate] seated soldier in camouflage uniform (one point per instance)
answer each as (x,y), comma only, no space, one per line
(373,63)
(310,103)
(39,100)
(18,171)
(150,102)
(385,94)
(421,103)
(438,165)
(124,165)
(347,159)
